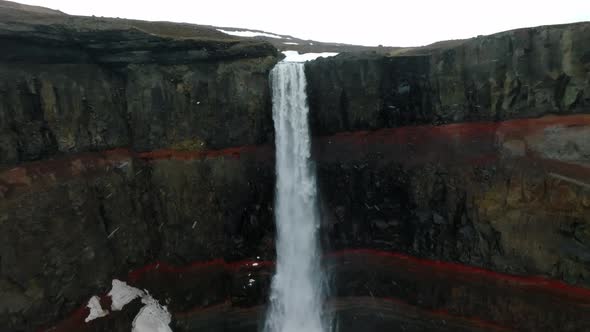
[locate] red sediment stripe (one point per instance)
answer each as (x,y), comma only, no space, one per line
(371,303)
(433,268)
(532,282)
(75,321)
(474,142)
(439,314)
(477,143)
(537,283)
(234,152)
(74,165)
(468,130)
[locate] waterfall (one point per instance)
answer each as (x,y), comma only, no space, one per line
(296,290)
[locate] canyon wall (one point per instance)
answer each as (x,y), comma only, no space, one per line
(454,181)
(120,147)
(476,154)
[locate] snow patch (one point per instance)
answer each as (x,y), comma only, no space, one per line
(121,294)
(291,43)
(96,310)
(246,33)
(152,317)
(294,56)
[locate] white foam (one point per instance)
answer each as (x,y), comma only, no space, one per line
(247,33)
(96,310)
(291,43)
(294,56)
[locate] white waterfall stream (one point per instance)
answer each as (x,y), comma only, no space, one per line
(296,292)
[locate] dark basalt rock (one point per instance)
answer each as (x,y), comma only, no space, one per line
(363,92)
(84,221)
(457,193)
(73,84)
(125,143)
(515,74)
(62,109)
(376,289)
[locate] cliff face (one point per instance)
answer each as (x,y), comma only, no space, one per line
(106,133)
(516,74)
(144,152)
(479,187)
(68,89)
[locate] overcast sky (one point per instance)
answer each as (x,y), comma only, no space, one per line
(367,22)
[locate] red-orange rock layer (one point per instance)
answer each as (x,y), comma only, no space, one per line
(475,143)
(420,268)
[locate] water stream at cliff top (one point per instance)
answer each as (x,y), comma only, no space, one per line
(296,290)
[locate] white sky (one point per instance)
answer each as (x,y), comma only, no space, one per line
(367,22)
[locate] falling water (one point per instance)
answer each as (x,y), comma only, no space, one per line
(296,291)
